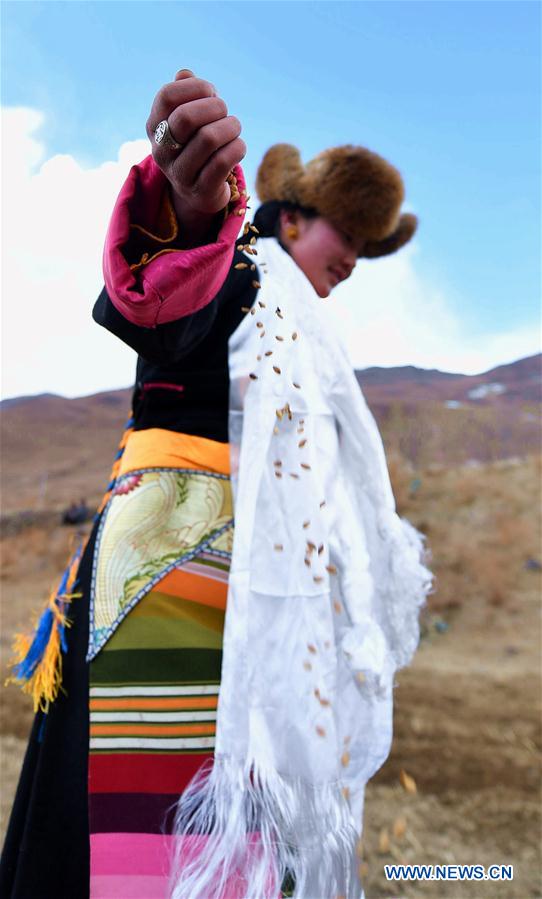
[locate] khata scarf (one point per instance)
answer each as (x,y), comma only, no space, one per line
(325,588)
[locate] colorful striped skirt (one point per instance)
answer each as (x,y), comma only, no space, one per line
(158,600)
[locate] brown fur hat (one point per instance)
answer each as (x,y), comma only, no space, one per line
(355,189)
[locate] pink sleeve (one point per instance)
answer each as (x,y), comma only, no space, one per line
(174,284)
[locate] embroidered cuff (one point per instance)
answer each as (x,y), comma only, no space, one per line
(150,283)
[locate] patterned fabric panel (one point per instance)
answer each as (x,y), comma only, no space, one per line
(153,699)
(156,521)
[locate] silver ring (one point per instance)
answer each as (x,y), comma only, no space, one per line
(164,137)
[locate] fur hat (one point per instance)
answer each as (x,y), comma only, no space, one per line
(356,190)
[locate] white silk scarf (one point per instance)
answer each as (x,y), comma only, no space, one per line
(325,588)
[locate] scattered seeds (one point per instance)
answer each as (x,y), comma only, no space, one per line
(262,332)
(346,793)
(278,474)
(320,549)
(278,312)
(399,828)
(407,782)
(360,677)
(304,465)
(277,369)
(331,568)
(292,475)
(256,284)
(241,265)
(318,579)
(252,267)
(307,666)
(268,353)
(245,309)
(275,430)
(277,462)
(253,228)
(258,358)
(260,303)
(322,503)
(296,385)
(294,335)
(312,648)
(279,547)
(337,606)
(306,523)
(302,442)
(345,759)
(384,841)
(320,730)
(278,337)
(253,376)
(253,310)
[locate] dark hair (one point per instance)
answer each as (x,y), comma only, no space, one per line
(267,216)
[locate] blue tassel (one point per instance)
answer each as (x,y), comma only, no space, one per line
(25,668)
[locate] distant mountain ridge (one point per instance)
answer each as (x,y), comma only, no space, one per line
(519,381)
(55,450)
(522,378)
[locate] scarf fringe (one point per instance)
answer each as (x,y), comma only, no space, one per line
(410,583)
(243,830)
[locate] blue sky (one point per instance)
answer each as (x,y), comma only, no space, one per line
(448,92)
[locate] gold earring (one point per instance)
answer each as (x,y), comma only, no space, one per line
(292,232)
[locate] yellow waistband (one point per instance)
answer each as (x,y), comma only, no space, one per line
(159,448)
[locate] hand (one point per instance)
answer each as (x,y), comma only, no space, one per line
(198,119)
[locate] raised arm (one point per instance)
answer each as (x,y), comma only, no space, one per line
(172,234)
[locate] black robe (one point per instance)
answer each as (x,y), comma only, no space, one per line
(46,852)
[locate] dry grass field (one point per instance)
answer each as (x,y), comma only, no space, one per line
(468,711)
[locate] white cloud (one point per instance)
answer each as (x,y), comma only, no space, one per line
(55,216)
(389,315)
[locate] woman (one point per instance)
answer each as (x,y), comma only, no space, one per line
(248,669)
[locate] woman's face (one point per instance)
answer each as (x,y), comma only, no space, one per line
(325,255)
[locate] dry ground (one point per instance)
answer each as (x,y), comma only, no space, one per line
(467,712)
